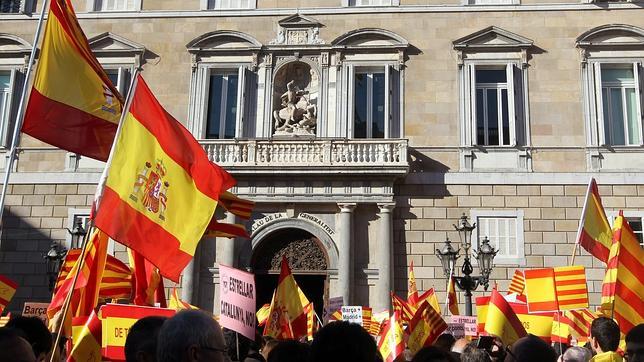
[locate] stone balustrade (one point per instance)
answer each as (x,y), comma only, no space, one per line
(329,153)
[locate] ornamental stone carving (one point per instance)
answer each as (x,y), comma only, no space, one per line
(303,254)
(295,107)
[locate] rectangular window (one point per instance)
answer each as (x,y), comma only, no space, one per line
(622,125)
(492,2)
(115,5)
(504,229)
(370,3)
(10,6)
(120,77)
(369,105)
(10,84)
(222,105)
(635,220)
(5,96)
(231,4)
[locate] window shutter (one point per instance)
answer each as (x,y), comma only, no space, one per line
(250,104)
(471,77)
(599,102)
(638,71)
(202,92)
(15,87)
(351,84)
(393,126)
(512,101)
(519,88)
(241,96)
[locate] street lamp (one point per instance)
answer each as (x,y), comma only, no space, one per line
(77,233)
(54,259)
(484,255)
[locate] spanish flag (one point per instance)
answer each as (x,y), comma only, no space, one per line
(425,328)
(391,343)
(594,233)
(87,343)
(430,297)
(72,105)
(7,290)
(540,289)
(501,320)
(161,190)
(452,299)
(622,289)
(287,312)
(412,290)
(262,314)
(148,284)
(176,303)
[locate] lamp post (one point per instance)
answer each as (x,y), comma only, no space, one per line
(77,233)
(53,259)
(484,255)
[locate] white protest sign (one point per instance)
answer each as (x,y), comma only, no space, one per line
(33,309)
(237,300)
(335,303)
(352,314)
(468,322)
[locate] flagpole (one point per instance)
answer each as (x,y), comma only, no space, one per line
(68,298)
(15,140)
(81,259)
(581,223)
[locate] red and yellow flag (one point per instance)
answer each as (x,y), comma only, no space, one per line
(87,288)
(553,289)
(579,322)
(412,290)
(176,303)
(72,105)
(262,314)
(405,311)
(7,290)
(560,332)
(226,230)
(622,289)
(594,233)
(452,299)
(517,284)
(116,282)
(87,343)
(236,205)
(161,190)
(481,313)
(501,320)
(430,297)
(425,328)
(391,343)
(367,315)
(311,325)
(148,284)
(540,290)
(287,312)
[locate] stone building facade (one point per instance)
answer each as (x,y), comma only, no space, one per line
(363,129)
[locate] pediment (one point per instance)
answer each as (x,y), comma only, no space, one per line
(107,43)
(612,35)
(299,21)
(370,37)
(492,38)
(223,40)
(11,45)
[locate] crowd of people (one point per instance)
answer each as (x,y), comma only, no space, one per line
(192,335)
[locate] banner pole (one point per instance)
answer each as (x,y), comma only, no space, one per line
(237,345)
(68,298)
(15,140)
(581,223)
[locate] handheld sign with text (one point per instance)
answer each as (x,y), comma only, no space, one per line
(117,320)
(33,309)
(469,324)
(352,314)
(334,304)
(237,300)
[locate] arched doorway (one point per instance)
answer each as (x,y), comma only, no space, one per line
(306,257)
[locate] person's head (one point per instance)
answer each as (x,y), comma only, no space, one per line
(343,340)
(289,351)
(191,335)
(14,347)
(35,332)
(269,344)
(604,335)
(635,344)
(431,354)
(471,353)
(460,345)
(141,342)
(576,354)
(531,349)
(445,342)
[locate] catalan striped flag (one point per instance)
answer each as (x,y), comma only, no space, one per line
(72,105)
(236,205)
(161,190)
(622,289)
(176,303)
(87,343)
(502,321)
(5,319)
(7,290)
(310,321)
(116,282)
(594,232)
(430,297)
(412,290)
(336,316)
(367,314)
(579,322)
(391,343)
(452,299)
(86,290)
(148,284)
(262,314)
(425,328)
(570,284)
(405,311)
(517,284)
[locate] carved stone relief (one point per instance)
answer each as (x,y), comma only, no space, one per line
(295,94)
(302,254)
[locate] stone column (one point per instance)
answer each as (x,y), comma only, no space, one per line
(384,258)
(190,280)
(345,249)
(228,245)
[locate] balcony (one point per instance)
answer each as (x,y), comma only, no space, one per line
(310,156)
